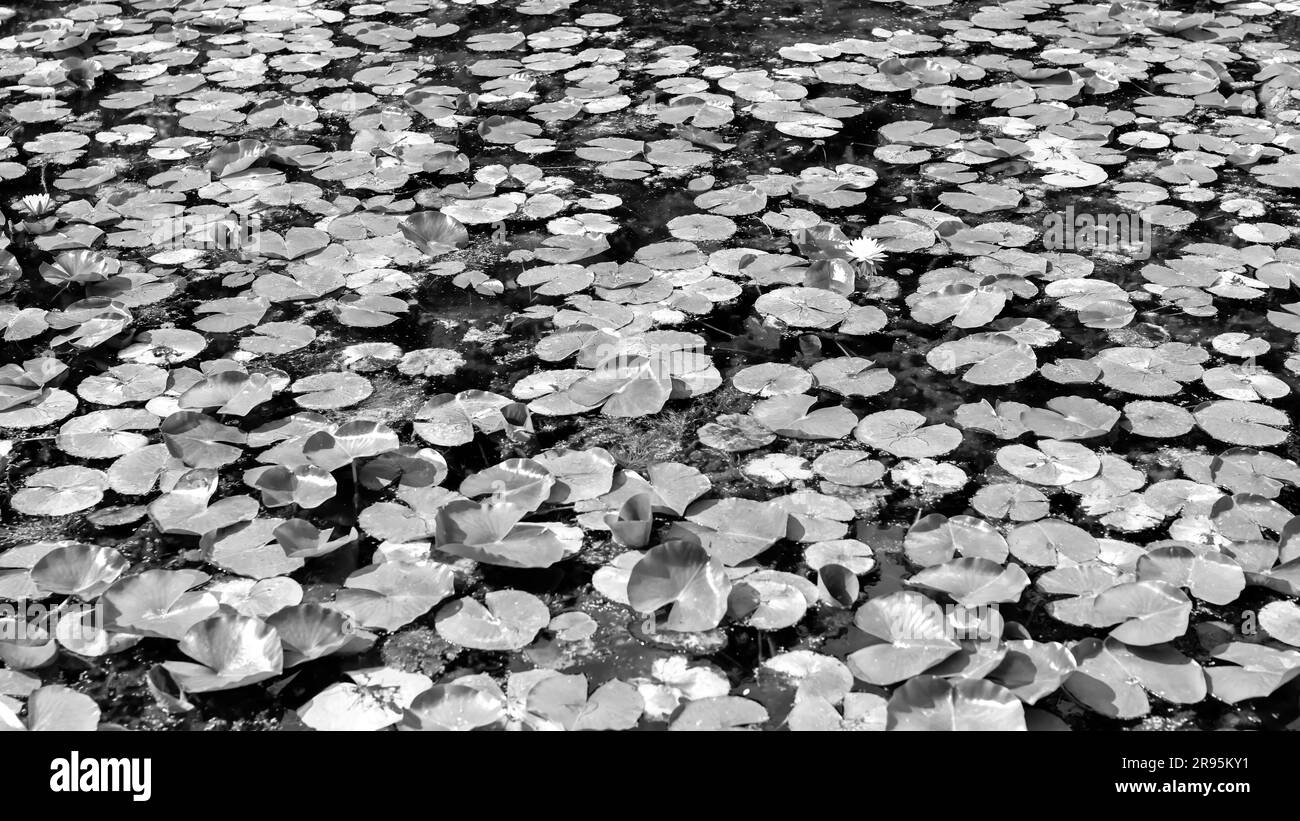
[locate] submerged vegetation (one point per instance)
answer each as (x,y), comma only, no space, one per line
(703,365)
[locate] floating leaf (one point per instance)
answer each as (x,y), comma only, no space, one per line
(911,633)
(1147,612)
(510,620)
(230,650)
(974,581)
(683,575)
(391,594)
(932,703)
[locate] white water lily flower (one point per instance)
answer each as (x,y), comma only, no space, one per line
(34,205)
(866,249)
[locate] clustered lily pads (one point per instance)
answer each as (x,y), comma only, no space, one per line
(580,379)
